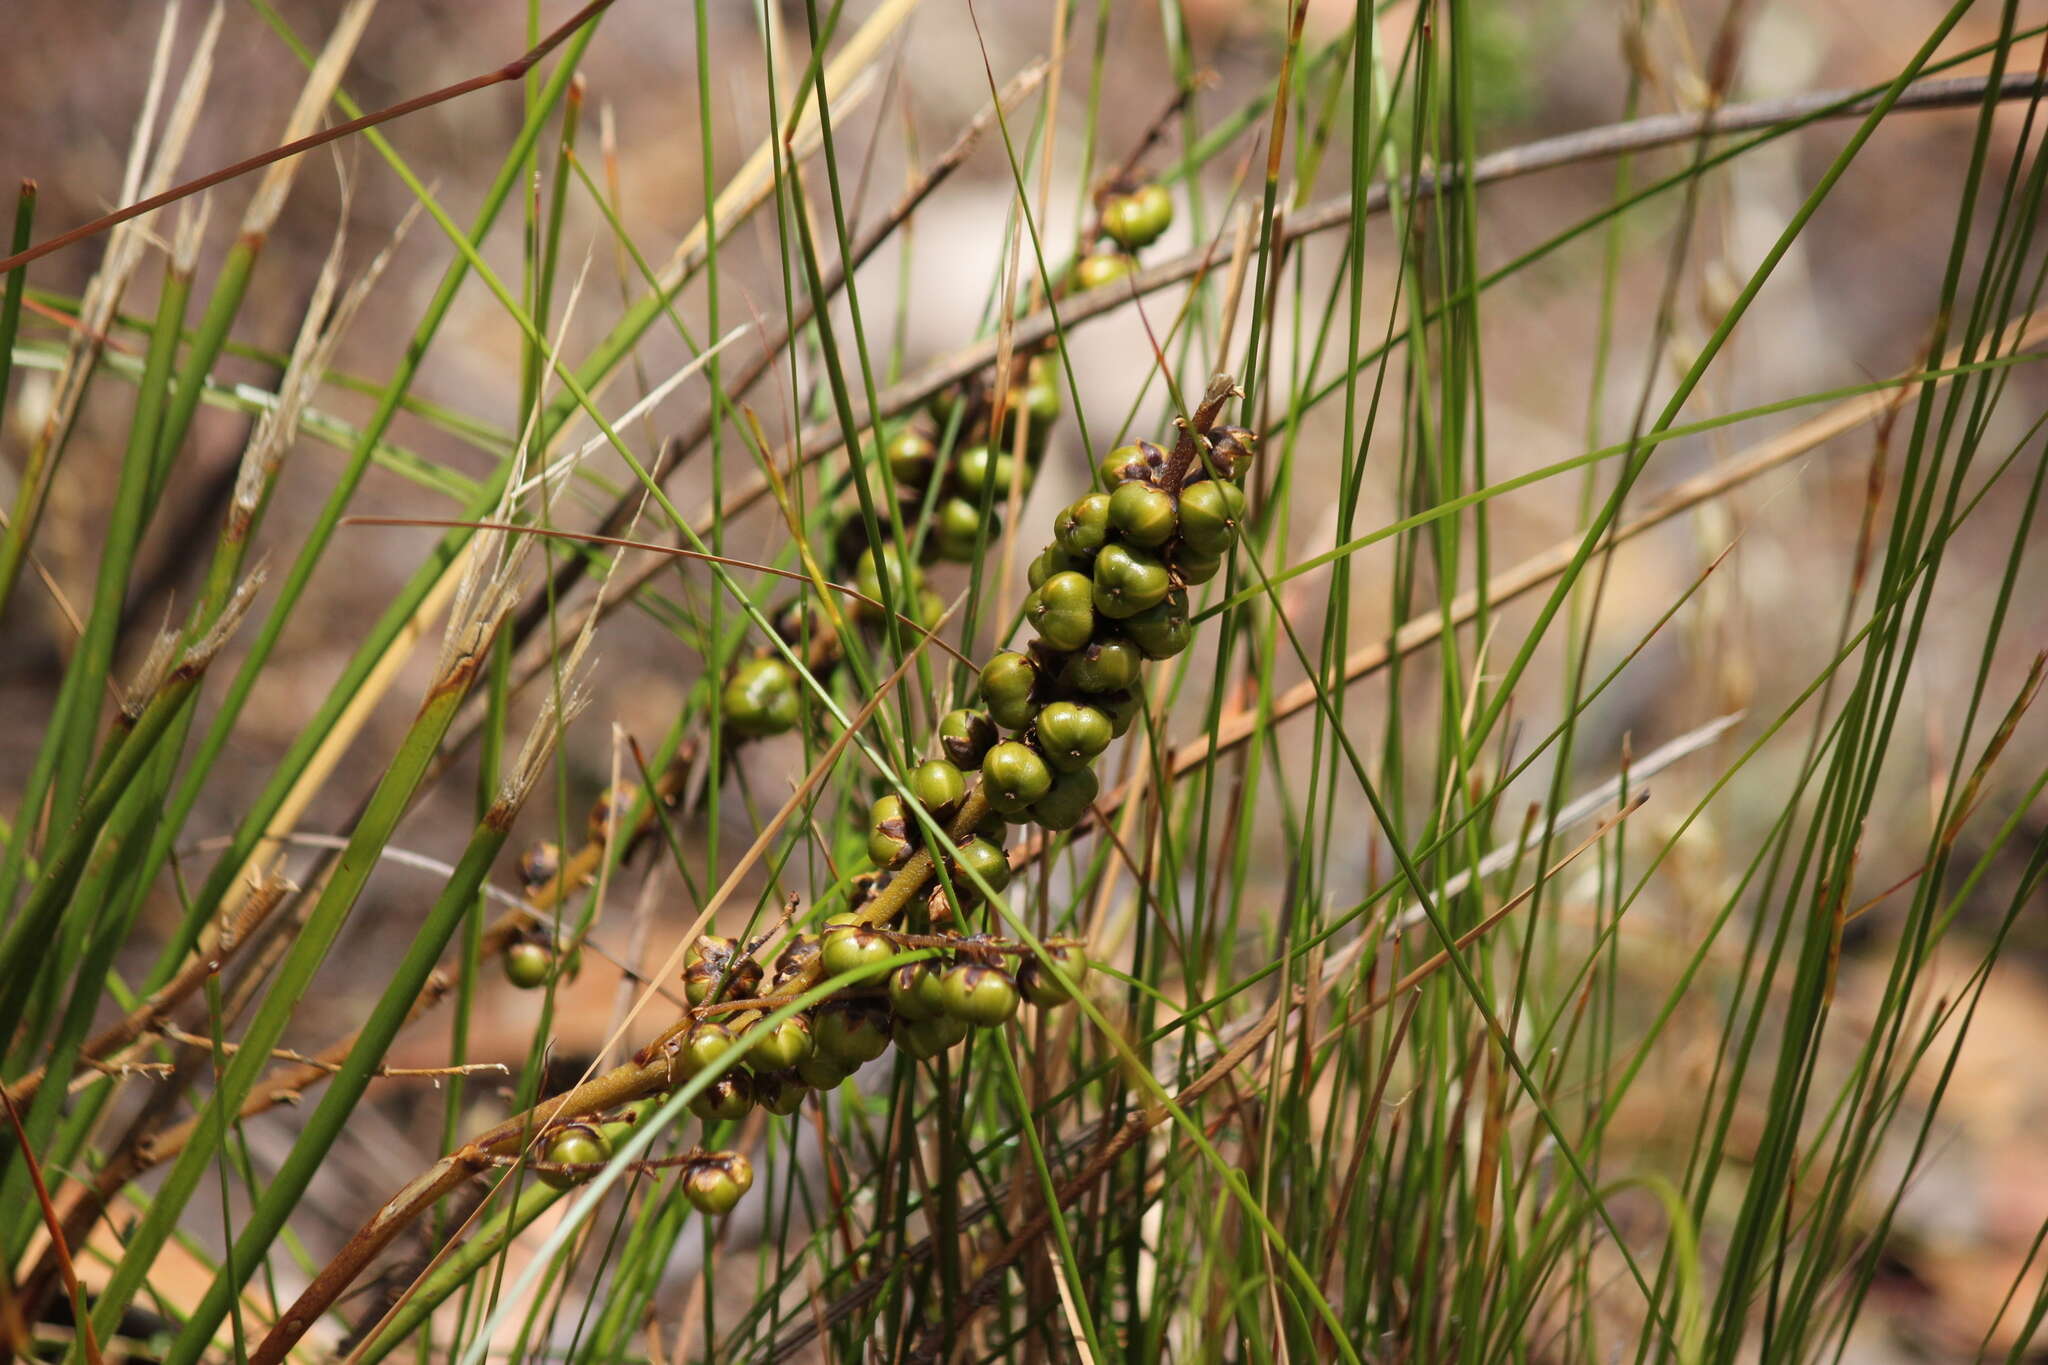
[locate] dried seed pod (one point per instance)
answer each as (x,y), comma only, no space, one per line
(978,994)
(1013,776)
(966,736)
(606,810)
(715,1186)
(761,698)
(796,956)
(739,977)
(1231,451)
(540,865)
(574,1144)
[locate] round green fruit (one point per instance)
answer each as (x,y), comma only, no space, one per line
(1067,802)
(820,1072)
(984,475)
(1103,267)
(779,1047)
(540,865)
(1062,610)
(1122,708)
(1128,580)
(1071,734)
(980,995)
(1040,986)
(914,991)
(853,948)
(966,736)
(716,1186)
(1138,219)
(780,1092)
(889,831)
(1142,514)
(706,1042)
(925,1039)
(939,787)
(850,1033)
(1125,464)
(1014,777)
(956,529)
(1191,568)
(1209,516)
(984,859)
(1084,526)
(1051,560)
(1164,630)
(1007,682)
(528,965)
(1105,666)
(575,1144)
(910,454)
(727,1099)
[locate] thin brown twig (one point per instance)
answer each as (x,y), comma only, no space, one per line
(58,1246)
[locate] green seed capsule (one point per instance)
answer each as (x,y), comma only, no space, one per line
(1122,708)
(985,859)
(904,580)
(820,1072)
(939,787)
(796,956)
(1084,526)
(1192,568)
(911,455)
(528,965)
(1105,666)
(1209,516)
(1007,682)
(914,991)
(1104,267)
(982,473)
(703,978)
(716,1187)
(853,948)
(1040,986)
(956,529)
(783,1045)
(1128,580)
(1014,777)
(780,1092)
(1142,515)
(1125,464)
(1050,561)
(925,1039)
(704,1044)
(1062,610)
(727,1099)
(1067,802)
(575,1144)
(979,995)
(1138,219)
(1040,395)
(1071,734)
(850,1033)
(966,736)
(889,831)
(1164,630)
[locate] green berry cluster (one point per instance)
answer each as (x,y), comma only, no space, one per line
(572,1152)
